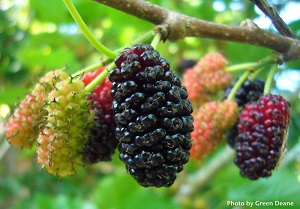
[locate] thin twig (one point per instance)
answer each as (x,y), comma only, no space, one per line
(200,177)
(270,11)
(178,26)
(4,148)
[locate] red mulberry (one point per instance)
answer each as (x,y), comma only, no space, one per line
(261,140)
(206,78)
(211,121)
(26,122)
(250,91)
(102,142)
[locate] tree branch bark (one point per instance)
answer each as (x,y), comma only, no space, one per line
(180,26)
(277,21)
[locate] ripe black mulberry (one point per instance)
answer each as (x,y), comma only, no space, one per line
(152,115)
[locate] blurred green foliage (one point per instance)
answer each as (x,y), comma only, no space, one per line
(38,35)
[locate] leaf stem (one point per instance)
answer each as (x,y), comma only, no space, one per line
(91,86)
(85,30)
(269,80)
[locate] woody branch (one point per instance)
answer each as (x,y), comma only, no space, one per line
(178,26)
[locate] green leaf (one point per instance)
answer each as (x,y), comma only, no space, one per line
(12,95)
(121,191)
(281,186)
(50,11)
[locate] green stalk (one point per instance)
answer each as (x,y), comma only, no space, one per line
(238,67)
(91,86)
(89,69)
(238,84)
(145,38)
(156,40)
(85,30)
(264,62)
(269,80)
(252,66)
(254,75)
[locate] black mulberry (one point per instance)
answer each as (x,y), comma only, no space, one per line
(152,114)
(102,142)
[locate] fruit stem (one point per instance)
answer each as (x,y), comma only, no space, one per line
(156,40)
(89,69)
(252,66)
(269,80)
(85,30)
(91,86)
(254,75)
(243,66)
(238,84)
(145,38)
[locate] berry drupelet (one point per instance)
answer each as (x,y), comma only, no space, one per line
(152,114)
(261,140)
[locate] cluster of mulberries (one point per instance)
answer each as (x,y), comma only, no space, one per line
(143,110)
(153,116)
(57,117)
(210,123)
(261,139)
(206,78)
(27,120)
(259,135)
(102,142)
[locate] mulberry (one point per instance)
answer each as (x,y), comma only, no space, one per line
(26,122)
(102,142)
(261,140)
(211,121)
(152,114)
(210,62)
(250,91)
(101,94)
(206,78)
(67,129)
